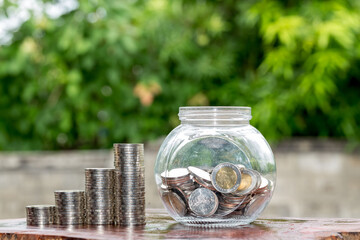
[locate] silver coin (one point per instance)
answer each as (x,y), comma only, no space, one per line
(132,207)
(74,200)
(240,167)
(98,181)
(41,207)
(175,173)
(201,176)
(203,202)
(131,218)
(264,184)
(199,173)
(69,192)
(104,194)
(204,184)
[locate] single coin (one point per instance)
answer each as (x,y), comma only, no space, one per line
(205,184)
(175,173)
(249,182)
(246,181)
(199,173)
(240,166)
(201,176)
(256,204)
(164,187)
(180,193)
(40,207)
(226,177)
(264,183)
(203,202)
(174,203)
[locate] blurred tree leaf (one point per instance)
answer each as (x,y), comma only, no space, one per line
(117,71)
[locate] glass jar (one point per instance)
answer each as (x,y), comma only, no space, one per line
(215,169)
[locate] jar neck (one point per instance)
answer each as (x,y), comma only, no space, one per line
(215,116)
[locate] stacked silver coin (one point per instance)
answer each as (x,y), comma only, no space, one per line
(226,189)
(40,215)
(99,189)
(129,184)
(70,206)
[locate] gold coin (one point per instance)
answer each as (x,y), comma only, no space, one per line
(245,183)
(226,178)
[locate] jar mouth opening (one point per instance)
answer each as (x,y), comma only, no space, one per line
(215,113)
(216,108)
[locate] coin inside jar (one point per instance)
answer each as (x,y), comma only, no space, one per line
(250,181)
(264,183)
(199,173)
(245,183)
(255,204)
(201,176)
(175,173)
(174,203)
(203,202)
(240,166)
(226,177)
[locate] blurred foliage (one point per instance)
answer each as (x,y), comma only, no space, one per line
(116,71)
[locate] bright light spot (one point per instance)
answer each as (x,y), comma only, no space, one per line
(106,91)
(102,115)
(101,12)
(60,8)
(62,138)
(20,14)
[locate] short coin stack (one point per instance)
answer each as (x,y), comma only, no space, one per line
(37,215)
(180,181)
(129,184)
(99,189)
(70,206)
(227,189)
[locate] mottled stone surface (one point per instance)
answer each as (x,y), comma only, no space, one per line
(161,226)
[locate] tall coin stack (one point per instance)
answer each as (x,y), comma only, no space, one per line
(40,215)
(99,188)
(70,206)
(129,184)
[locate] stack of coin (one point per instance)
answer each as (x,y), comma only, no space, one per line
(99,190)
(228,205)
(129,184)
(180,181)
(255,200)
(70,206)
(226,189)
(37,215)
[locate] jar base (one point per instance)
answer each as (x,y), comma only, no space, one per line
(215,222)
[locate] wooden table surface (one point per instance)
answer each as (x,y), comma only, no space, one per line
(160,225)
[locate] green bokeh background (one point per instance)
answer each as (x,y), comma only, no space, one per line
(117,71)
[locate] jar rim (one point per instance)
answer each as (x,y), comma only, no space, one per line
(214,108)
(215,115)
